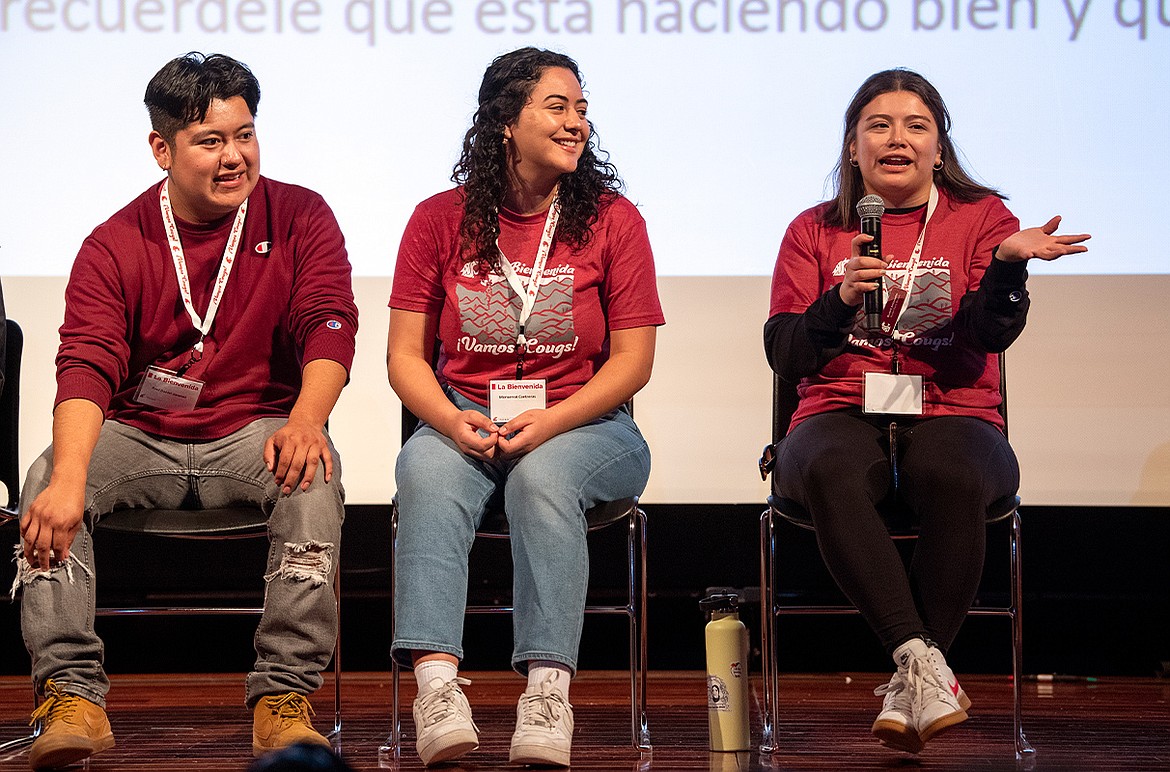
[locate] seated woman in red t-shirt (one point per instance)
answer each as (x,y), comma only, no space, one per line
(953,274)
(536,276)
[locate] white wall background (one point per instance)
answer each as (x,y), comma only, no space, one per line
(724,119)
(1089,390)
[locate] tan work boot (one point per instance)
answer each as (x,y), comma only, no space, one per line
(283,719)
(73,729)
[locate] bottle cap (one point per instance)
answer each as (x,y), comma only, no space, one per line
(720,601)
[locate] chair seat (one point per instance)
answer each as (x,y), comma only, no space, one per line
(495,522)
(222,523)
(897,516)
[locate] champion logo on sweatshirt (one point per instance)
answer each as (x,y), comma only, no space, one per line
(263,247)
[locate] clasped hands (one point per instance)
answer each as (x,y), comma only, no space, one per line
(476,435)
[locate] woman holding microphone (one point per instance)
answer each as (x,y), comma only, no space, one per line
(918,379)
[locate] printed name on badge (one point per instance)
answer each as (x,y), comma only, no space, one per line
(508,399)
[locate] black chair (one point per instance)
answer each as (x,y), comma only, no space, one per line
(209,524)
(10,460)
(10,423)
(899,522)
(495,526)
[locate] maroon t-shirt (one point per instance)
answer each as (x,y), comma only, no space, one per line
(958,379)
(584,293)
(289,300)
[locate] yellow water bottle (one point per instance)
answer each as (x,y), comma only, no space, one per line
(727,677)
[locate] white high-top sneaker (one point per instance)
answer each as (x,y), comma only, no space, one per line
(934,694)
(895,724)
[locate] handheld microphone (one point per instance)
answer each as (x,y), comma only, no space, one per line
(870,209)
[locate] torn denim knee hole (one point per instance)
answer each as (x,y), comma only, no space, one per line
(26,574)
(309,561)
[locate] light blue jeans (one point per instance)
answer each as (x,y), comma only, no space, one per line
(130,468)
(442,497)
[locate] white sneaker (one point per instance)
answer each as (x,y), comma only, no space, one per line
(544,727)
(947,676)
(935,704)
(442,722)
(895,725)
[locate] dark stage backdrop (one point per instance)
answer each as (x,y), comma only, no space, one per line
(1096,585)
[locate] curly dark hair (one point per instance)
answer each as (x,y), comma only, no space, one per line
(482,167)
(847,181)
(182,91)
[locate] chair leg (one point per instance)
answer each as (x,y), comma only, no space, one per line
(1023,749)
(770,677)
(29,739)
(393,743)
(639,720)
(336,733)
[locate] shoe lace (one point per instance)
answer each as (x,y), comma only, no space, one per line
(925,681)
(543,708)
(291,707)
(895,686)
(57,705)
(442,702)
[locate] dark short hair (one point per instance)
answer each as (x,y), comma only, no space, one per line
(952,177)
(182,91)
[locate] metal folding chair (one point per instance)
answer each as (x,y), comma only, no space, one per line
(495,526)
(899,522)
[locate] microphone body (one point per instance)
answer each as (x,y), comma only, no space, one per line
(870,209)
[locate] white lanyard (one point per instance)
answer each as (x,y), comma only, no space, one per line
(203,325)
(912,265)
(528,295)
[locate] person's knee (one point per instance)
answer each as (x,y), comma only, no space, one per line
(428,462)
(37,479)
(307,561)
(61,571)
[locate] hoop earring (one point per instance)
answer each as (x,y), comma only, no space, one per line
(938,165)
(853,162)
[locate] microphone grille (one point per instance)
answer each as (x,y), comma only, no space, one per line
(871,206)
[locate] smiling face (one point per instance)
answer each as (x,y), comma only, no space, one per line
(548,137)
(213,165)
(896,148)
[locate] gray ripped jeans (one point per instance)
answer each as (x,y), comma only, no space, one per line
(129,468)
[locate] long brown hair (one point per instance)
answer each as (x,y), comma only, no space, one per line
(847,181)
(482,167)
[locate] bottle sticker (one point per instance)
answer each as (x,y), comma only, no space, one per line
(717,695)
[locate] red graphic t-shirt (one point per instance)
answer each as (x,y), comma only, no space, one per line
(958,378)
(584,293)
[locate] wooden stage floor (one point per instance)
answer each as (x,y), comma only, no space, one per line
(184,723)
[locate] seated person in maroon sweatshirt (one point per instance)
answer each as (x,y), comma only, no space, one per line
(209,329)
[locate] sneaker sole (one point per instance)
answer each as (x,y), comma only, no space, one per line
(538,754)
(70,754)
(448,747)
(942,724)
(897,736)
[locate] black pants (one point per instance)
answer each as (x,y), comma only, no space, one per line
(836,465)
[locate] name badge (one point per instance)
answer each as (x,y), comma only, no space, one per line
(508,399)
(888,393)
(168,390)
